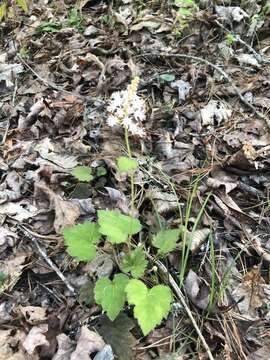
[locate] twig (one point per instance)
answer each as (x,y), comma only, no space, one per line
(5,133)
(181,297)
(237,37)
(218,69)
(263,150)
(51,292)
(47,259)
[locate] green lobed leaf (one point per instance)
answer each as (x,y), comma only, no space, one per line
(167,77)
(3,11)
(117,226)
(111,294)
(165,240)
(125,164)
(81,240)
(101,171)
(48,27)
(135,262)
(82,173)
(2,278)
(23,5)
(151,306)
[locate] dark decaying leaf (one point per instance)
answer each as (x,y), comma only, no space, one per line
(117,334)
(86,295)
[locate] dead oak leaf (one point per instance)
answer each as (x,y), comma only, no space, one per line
(9,346)
(88,342)
(36,338)
(33,314)
(66,212)
(65,348)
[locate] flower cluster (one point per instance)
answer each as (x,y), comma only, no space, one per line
(127,109)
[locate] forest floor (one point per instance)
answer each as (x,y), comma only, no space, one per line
(201,142)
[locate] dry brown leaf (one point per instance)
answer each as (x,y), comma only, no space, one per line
(7,238)
(65,348)
(215,111)
(198,237)
(88,342)
(164,201)
(260,354)
(197,291)
(35,338)
(33,314)
(66,212)
(12,268)
(219,178)
(10,346)
(250,292)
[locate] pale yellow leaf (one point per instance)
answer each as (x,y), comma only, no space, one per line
(23,4)
(3,11)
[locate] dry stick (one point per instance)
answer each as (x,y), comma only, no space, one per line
(47,259)
(181,297)
(222,72)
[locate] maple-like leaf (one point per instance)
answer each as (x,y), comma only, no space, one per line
(135,262)
(82,173)
(116,226)
(126,164)
(165,240)
(81,240)
(151,306)
(111,294)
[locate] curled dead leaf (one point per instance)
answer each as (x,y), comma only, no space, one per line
(33,314)
(36,338)
(197,290)
(88,342)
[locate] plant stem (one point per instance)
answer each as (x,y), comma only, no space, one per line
(127,143)
(132,187)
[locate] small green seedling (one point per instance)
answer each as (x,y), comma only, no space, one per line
(166,77)
(101,171)
(185,14)
(82,173)
(2,278)
(48,27)
(75,19)
(230,39)
(126,164)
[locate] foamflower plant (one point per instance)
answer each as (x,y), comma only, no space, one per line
(127,109)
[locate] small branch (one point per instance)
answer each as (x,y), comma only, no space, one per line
(218,69)
(47,259)
(181,297)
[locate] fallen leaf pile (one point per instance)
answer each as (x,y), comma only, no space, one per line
(204,96)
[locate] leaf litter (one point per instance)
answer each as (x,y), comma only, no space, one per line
(63,82)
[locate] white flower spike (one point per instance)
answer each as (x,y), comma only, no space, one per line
(126,108)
